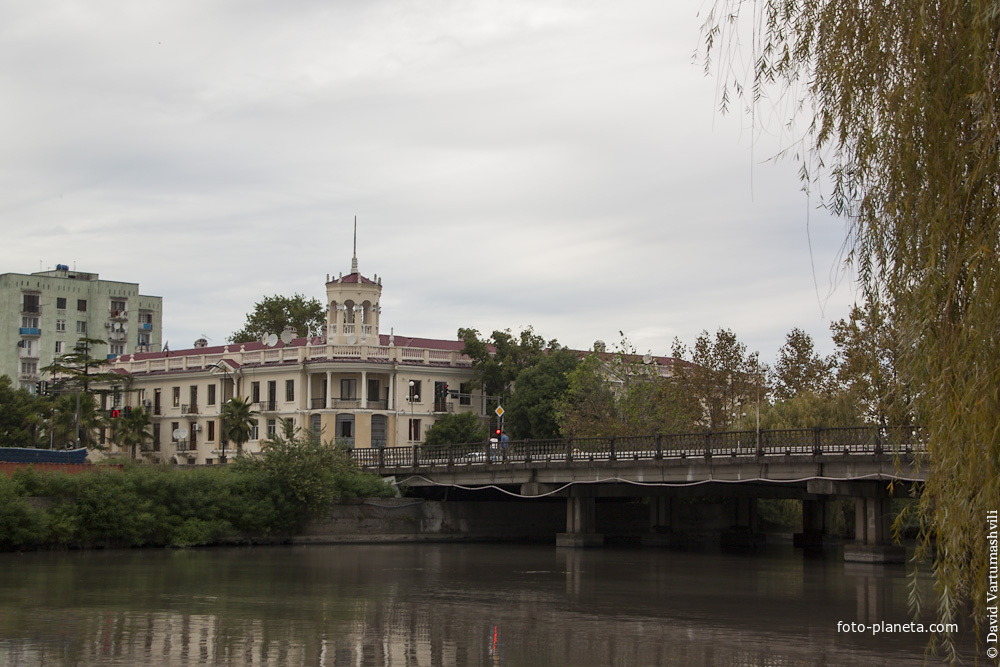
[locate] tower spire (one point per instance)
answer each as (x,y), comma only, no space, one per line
(354,261)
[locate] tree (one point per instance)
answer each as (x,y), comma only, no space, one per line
(720,376)
(273,313)
(902,102)
(75,420)
(799,368)
(238,417)
(130,431)
(868,357)
(532,406)
(498,361)
(21,415)
(589,407)
(456,429)
(78,369)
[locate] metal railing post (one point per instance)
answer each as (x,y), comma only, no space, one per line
(611,453)
(659,447)
(569,450)
(416,455)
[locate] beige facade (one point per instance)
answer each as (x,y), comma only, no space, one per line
(359,386)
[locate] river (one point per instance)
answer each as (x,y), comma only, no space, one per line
(449,604)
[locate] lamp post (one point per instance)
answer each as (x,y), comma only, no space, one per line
(222,411)
(412,398)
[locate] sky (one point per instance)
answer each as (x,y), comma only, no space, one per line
(555,164)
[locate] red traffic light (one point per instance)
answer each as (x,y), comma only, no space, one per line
(498,431)
(115,413)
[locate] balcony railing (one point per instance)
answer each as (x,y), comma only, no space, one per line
(31,310)
(146,326)
(318,403)
(118,314)
(347,403)
(27,353)
(267,406)
(375,404)
(31,331)
(189,408)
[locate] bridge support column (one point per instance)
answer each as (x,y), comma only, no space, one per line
(662,519)
(744,533)
(872,533)
(817,526)
(581,522)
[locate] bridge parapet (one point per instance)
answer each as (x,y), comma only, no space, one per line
(857,441)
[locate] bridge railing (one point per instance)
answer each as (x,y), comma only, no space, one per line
(863,440)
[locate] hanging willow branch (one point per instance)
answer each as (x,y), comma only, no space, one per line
(899,100)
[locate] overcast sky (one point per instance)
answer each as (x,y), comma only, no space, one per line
(545,163)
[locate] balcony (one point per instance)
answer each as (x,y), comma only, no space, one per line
(318,403)
(27,353)
(30,331)
(347,403)
(116,314)
(145,326)
(28,309)
(189,408)
(267,406)
(378,404)
(118,336)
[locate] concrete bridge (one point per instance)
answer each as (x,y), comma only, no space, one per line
(812,465)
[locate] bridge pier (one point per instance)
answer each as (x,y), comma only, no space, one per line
(662,520)
(581,521)
(744,533)
(872,533)
(817,525)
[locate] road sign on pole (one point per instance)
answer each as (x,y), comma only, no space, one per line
(499,411)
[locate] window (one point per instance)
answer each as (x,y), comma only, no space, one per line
(30,304)
(348,390)
(272,427)
(380,426)
(210,399)
(255,392)
(373,391)
(29,322)
(117,307)
(59,347)
(414,430)
(414,394)
(156,437)
(440,396)
(145,318)
(289,390)
(194,398)
(173,429)
(211,431)
(177,396)
(144,339)
(61,302)
(81,305)
(345,429)
(156,401)
(60,325)
(465,393)
(254,431)
(81,326)
(29,368)
(116,349)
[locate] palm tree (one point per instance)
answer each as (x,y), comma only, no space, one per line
(131,430)
(237,423)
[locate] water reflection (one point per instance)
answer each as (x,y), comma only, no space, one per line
(416,605)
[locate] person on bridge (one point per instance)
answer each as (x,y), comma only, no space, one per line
(504,443)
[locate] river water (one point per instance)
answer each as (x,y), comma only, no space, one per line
(448,604)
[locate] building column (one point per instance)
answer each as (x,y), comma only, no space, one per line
(873,533)
(581,524)
(309,391)
(329,390)
(364,390)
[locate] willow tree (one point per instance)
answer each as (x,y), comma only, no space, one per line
(900,105)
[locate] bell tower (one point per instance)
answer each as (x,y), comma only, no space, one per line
(353,305)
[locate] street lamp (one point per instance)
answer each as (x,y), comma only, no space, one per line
(222,410)
(412,398)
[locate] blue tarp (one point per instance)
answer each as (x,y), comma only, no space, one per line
(27,455)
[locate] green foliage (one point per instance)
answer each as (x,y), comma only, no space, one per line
(162,506)
(131,431)
(721,377)
(537,389)
(455,429)
(22,415)
(314,474)
(498,360)
(238,418)
(618,394)
(273,313)
(807,410)
(902,104)
(799,368)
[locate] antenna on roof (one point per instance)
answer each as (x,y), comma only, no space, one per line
(354,262)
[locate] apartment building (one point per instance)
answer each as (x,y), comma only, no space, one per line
(355,384)
(43,314)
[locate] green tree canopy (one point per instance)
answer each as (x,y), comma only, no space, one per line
(718,374)
(456,429)
(238,418)
(800,369)
(273,313)
(901,100)
(498,360)
(22,415)
(537,389)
